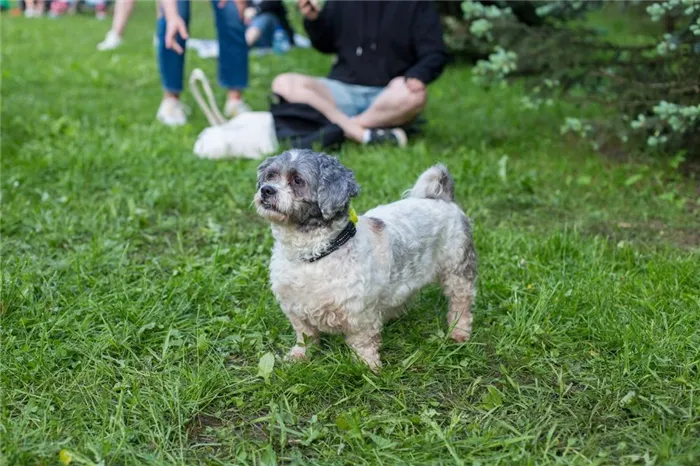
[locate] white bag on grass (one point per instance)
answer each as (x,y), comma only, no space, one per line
(250,135)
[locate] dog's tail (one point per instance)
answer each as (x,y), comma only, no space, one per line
(435,183)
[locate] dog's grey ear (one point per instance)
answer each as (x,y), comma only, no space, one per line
(336,186)
(262,167)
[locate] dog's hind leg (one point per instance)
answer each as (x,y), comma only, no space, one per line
(460,292)
(459,285)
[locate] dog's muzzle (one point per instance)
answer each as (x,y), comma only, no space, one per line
(267,191)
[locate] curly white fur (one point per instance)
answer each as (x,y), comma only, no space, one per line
(398,249)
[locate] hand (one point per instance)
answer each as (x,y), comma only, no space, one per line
(309,9)
(248,14)
(415,85)
(173,27)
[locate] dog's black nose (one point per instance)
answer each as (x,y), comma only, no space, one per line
(267,191)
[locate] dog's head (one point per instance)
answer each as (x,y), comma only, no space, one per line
(304,188)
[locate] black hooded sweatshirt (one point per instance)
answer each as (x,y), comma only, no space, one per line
(376,41)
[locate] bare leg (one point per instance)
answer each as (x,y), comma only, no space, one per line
(298,88)
(37,6)
(395,106)
(122,13)
(252,34)
(367,348)
(305,335)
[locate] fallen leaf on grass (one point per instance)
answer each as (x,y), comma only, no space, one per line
(265,366)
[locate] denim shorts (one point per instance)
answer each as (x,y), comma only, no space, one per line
(351,99)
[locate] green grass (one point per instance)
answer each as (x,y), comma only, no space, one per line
(136,306)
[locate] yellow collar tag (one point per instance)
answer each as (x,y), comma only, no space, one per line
(352,215)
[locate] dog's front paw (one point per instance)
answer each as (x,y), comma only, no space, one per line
(375,365)
(297,353)
(460,335)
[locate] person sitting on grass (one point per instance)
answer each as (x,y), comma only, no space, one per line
(233,56)
(386,55)
(262,18)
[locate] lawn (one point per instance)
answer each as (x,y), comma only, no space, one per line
(136,304)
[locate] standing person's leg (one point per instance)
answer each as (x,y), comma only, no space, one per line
(171,66)
(122,13)
(34,8)
(29,7)
(59,8)
(233,56)
(100,9)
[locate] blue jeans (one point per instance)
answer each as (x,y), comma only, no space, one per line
(267,23)
(233,50)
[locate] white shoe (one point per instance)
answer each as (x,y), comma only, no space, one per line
(112,41)
(235,107)
(172,112)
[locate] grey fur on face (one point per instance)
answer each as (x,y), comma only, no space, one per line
(305,188)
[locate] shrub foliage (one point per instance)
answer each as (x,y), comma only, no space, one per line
(648,84)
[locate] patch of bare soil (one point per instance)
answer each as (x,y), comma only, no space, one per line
(652,232)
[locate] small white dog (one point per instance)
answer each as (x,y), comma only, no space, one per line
(334,273)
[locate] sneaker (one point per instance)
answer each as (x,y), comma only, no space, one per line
(112,41)
(172,112)
(235,107)
(393,136)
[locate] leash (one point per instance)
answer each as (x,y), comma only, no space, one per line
(210,109)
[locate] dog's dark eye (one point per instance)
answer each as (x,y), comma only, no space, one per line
(297,181)
(270,175)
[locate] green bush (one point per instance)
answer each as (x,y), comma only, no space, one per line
(647,82)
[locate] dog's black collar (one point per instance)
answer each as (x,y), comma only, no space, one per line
(342,238)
